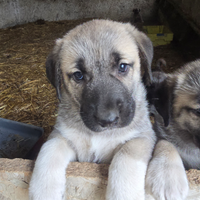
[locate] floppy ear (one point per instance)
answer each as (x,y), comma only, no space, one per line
(160,94)
(53,69)
(146,53)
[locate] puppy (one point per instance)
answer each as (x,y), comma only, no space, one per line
(176,98)
(103,115)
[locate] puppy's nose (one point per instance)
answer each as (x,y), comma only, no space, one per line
(108,118)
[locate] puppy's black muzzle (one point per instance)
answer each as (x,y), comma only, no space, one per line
(108,115)
(107,105)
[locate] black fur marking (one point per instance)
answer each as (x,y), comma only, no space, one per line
(117,58)
(196,139)
(160,94)
(54,73)
(80,65)
(107,104)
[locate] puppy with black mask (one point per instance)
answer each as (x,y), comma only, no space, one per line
(103,114)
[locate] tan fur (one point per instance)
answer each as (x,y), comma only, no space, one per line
(183,88)
(166,164)
(127,147)
(187,96)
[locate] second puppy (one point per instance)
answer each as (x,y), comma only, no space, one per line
(176,101)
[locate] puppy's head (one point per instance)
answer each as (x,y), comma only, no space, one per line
(177,98)
(186,106)
(97,66)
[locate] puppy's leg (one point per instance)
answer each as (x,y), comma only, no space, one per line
(166,178)
(127,171)
(48,178)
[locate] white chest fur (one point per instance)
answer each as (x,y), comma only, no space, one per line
(99,147)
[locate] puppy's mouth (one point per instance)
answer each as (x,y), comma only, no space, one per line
(97,124)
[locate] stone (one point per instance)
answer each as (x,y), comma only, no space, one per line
(85,181)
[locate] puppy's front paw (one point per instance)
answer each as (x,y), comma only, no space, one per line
(166,177)
(44,190)
(48,178)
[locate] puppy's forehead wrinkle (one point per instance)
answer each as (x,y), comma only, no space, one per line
(97,40)
(89,55)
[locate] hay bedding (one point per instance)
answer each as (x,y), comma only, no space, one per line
(25,93)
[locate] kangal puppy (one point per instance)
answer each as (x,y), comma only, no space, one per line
(103,115)
(176,98)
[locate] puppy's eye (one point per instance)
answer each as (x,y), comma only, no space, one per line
(78,76)
(123,67)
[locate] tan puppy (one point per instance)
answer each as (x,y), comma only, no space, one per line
(176,97)
(103,115)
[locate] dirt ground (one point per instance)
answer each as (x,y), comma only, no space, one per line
(25,93)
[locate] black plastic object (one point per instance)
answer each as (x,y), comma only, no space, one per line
(19,140)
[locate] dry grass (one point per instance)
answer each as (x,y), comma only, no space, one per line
(25,93)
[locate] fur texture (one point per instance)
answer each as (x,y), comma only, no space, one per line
(103,115)
(179,121)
